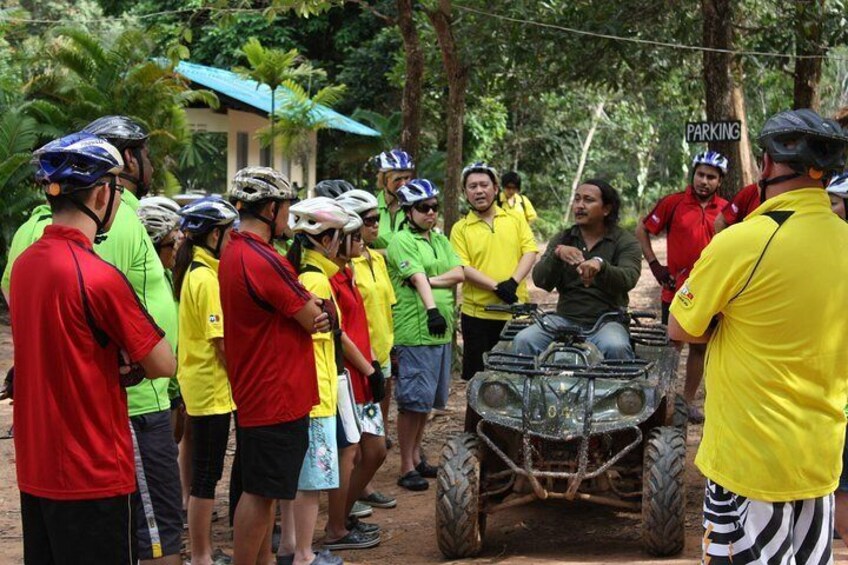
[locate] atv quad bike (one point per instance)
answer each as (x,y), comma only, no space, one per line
(568,425)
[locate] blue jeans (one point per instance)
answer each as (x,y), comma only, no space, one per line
(612,338)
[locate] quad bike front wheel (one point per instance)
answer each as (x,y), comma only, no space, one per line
(459,523)
(664,492)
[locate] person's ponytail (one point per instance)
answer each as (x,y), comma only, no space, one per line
(185,254)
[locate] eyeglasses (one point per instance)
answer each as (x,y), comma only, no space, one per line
(370,221)
(426,208)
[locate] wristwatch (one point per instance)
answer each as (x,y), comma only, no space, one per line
(600,260)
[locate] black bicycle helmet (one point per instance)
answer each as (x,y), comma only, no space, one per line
(333,188)
(811,145)
(120,131)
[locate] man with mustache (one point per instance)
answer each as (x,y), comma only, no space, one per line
(688,218)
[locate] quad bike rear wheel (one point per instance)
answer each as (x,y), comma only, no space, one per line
(460,525)
(664,492)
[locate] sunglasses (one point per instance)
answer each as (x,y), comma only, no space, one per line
(370,221)
(426,208)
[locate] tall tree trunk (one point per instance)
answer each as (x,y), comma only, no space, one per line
(457,75)
(414,58)
(747,163)
(808,41)
(584,154)
(718,84)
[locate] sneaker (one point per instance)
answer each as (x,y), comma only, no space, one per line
(379,500)
(413,481)
(360,510)
(221,558)
(364,527)
(426,470)
(353,540)
(323,557)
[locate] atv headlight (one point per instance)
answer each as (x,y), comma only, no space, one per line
(630,401)
(495,395)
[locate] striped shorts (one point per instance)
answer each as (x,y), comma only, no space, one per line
(740,530)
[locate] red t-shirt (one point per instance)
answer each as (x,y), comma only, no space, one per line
(71,313)
(745,202)
(270,362)
(690,228)
(355,325)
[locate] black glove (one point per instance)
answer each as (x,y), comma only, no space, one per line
(661,273)
(377,382)
(130,373)
(436,323)
(505,290)
(8,385)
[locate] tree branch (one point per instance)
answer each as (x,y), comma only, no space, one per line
(366,6)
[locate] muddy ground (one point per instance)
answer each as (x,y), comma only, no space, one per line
(548,533)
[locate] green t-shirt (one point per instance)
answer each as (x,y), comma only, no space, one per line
(410,253)
(389,225)
(29,232)
(129,248)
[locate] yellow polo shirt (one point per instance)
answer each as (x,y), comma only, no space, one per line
(776,363)
(318,283)
(375,286)
(203,379)
(494,251)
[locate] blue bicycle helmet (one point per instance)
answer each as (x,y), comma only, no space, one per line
(394,160)
(201,216)
(75,162)
(711,158)
(415,191)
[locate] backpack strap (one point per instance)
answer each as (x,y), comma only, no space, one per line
(779,217)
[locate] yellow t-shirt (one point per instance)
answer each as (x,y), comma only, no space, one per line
(318,283)
(494,251)
(776,363)
(520,204)
(375,286)
(202,377)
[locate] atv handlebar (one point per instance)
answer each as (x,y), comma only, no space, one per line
(532,310)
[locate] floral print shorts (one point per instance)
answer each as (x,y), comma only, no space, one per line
(320,469)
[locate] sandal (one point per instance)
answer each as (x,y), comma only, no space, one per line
(413,481)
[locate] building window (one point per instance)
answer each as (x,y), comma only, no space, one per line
(242,141)
(265,156)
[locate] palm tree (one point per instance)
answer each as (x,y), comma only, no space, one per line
(89,77)
(298,117)
(18,135)
(273,67)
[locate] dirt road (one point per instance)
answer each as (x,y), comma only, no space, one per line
(548,533)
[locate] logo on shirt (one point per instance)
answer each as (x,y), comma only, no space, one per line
(655,218)
(404,264)
(685,295)
(735,208)
(214,318)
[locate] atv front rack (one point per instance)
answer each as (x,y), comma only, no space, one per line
(529,365)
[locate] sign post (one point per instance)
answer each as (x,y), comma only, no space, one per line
(707,132)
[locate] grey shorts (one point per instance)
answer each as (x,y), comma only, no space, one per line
(158,500)
(423,379)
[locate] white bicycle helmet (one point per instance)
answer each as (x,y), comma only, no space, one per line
(317,215)
(480,167)
(354,222)
(357,201)
(159,215)
(711,158)
(839,185)
(252,184)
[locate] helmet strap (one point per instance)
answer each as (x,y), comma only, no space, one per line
(100,234)
(324,250)
(270,222)
(765,183)
(141,187)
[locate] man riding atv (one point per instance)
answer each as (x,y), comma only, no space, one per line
(593,265)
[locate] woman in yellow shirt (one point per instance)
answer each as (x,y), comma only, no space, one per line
(202,373)
(318,228)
